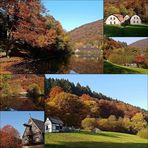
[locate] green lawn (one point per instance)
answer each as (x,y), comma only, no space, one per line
(111,68)
(126,31)
(90,140)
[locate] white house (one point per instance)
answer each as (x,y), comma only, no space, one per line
(120,19)
(135,19)
(114,19)
(53,125)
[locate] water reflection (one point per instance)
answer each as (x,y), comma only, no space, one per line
(61,65)
(21,103)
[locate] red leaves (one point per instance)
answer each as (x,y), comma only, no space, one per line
(139,59)
(9,137)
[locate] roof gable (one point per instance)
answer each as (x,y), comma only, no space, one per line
(55,120)
(39,124)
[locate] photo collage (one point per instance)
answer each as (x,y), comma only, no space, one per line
(73,73)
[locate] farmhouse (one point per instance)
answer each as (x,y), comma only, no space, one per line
(135,19)
(119,19)
(53,125)
(34,133)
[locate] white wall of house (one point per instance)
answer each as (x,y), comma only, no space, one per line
(112,20)
(48,126)
(135,19)
(51,127)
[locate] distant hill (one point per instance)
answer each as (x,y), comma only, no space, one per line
(87,35)
(142,44)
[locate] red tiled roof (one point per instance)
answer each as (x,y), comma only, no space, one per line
(120,17)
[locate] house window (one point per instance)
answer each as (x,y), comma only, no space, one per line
(114,22)
(114,18)
(110,22)
(133,21)
(137,22)
(47,127)
(57,127)
(111,18)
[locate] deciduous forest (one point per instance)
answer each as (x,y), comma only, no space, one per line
(79,106)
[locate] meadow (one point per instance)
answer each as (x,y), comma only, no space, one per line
(94,140)
(119,69)
(126,31)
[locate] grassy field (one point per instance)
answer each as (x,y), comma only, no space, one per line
(111,68)
(126,31)
(90,140)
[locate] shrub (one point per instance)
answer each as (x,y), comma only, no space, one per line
(89,123)
(143,133)
(34,90)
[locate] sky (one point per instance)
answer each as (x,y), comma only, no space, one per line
(18,118)
(130,89)
(128,40)
(74,13)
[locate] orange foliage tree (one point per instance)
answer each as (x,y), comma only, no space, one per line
(55,91)
(26,23)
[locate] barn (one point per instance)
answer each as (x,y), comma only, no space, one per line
(118,19)
(34,133)
(114,19)
(53,125)
(135,19)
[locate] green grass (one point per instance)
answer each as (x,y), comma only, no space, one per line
(90,140)
(126,31)
(111,68)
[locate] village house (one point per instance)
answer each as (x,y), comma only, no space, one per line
(53,125)
(135,19)
(34,133)
(118,19)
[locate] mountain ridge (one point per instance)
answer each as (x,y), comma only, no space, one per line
(87,35)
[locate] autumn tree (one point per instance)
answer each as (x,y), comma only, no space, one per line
(143,133)
(138,122)
(9,137)
(89,123)
(70,108)
(27,24)
(139,60)
(55,91)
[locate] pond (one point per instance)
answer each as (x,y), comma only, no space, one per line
(21,103)
(59,65)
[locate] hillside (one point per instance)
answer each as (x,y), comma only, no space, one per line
(141,44)
(111,68)
(115,51)
(91,140)
(87,35)
(111,105)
